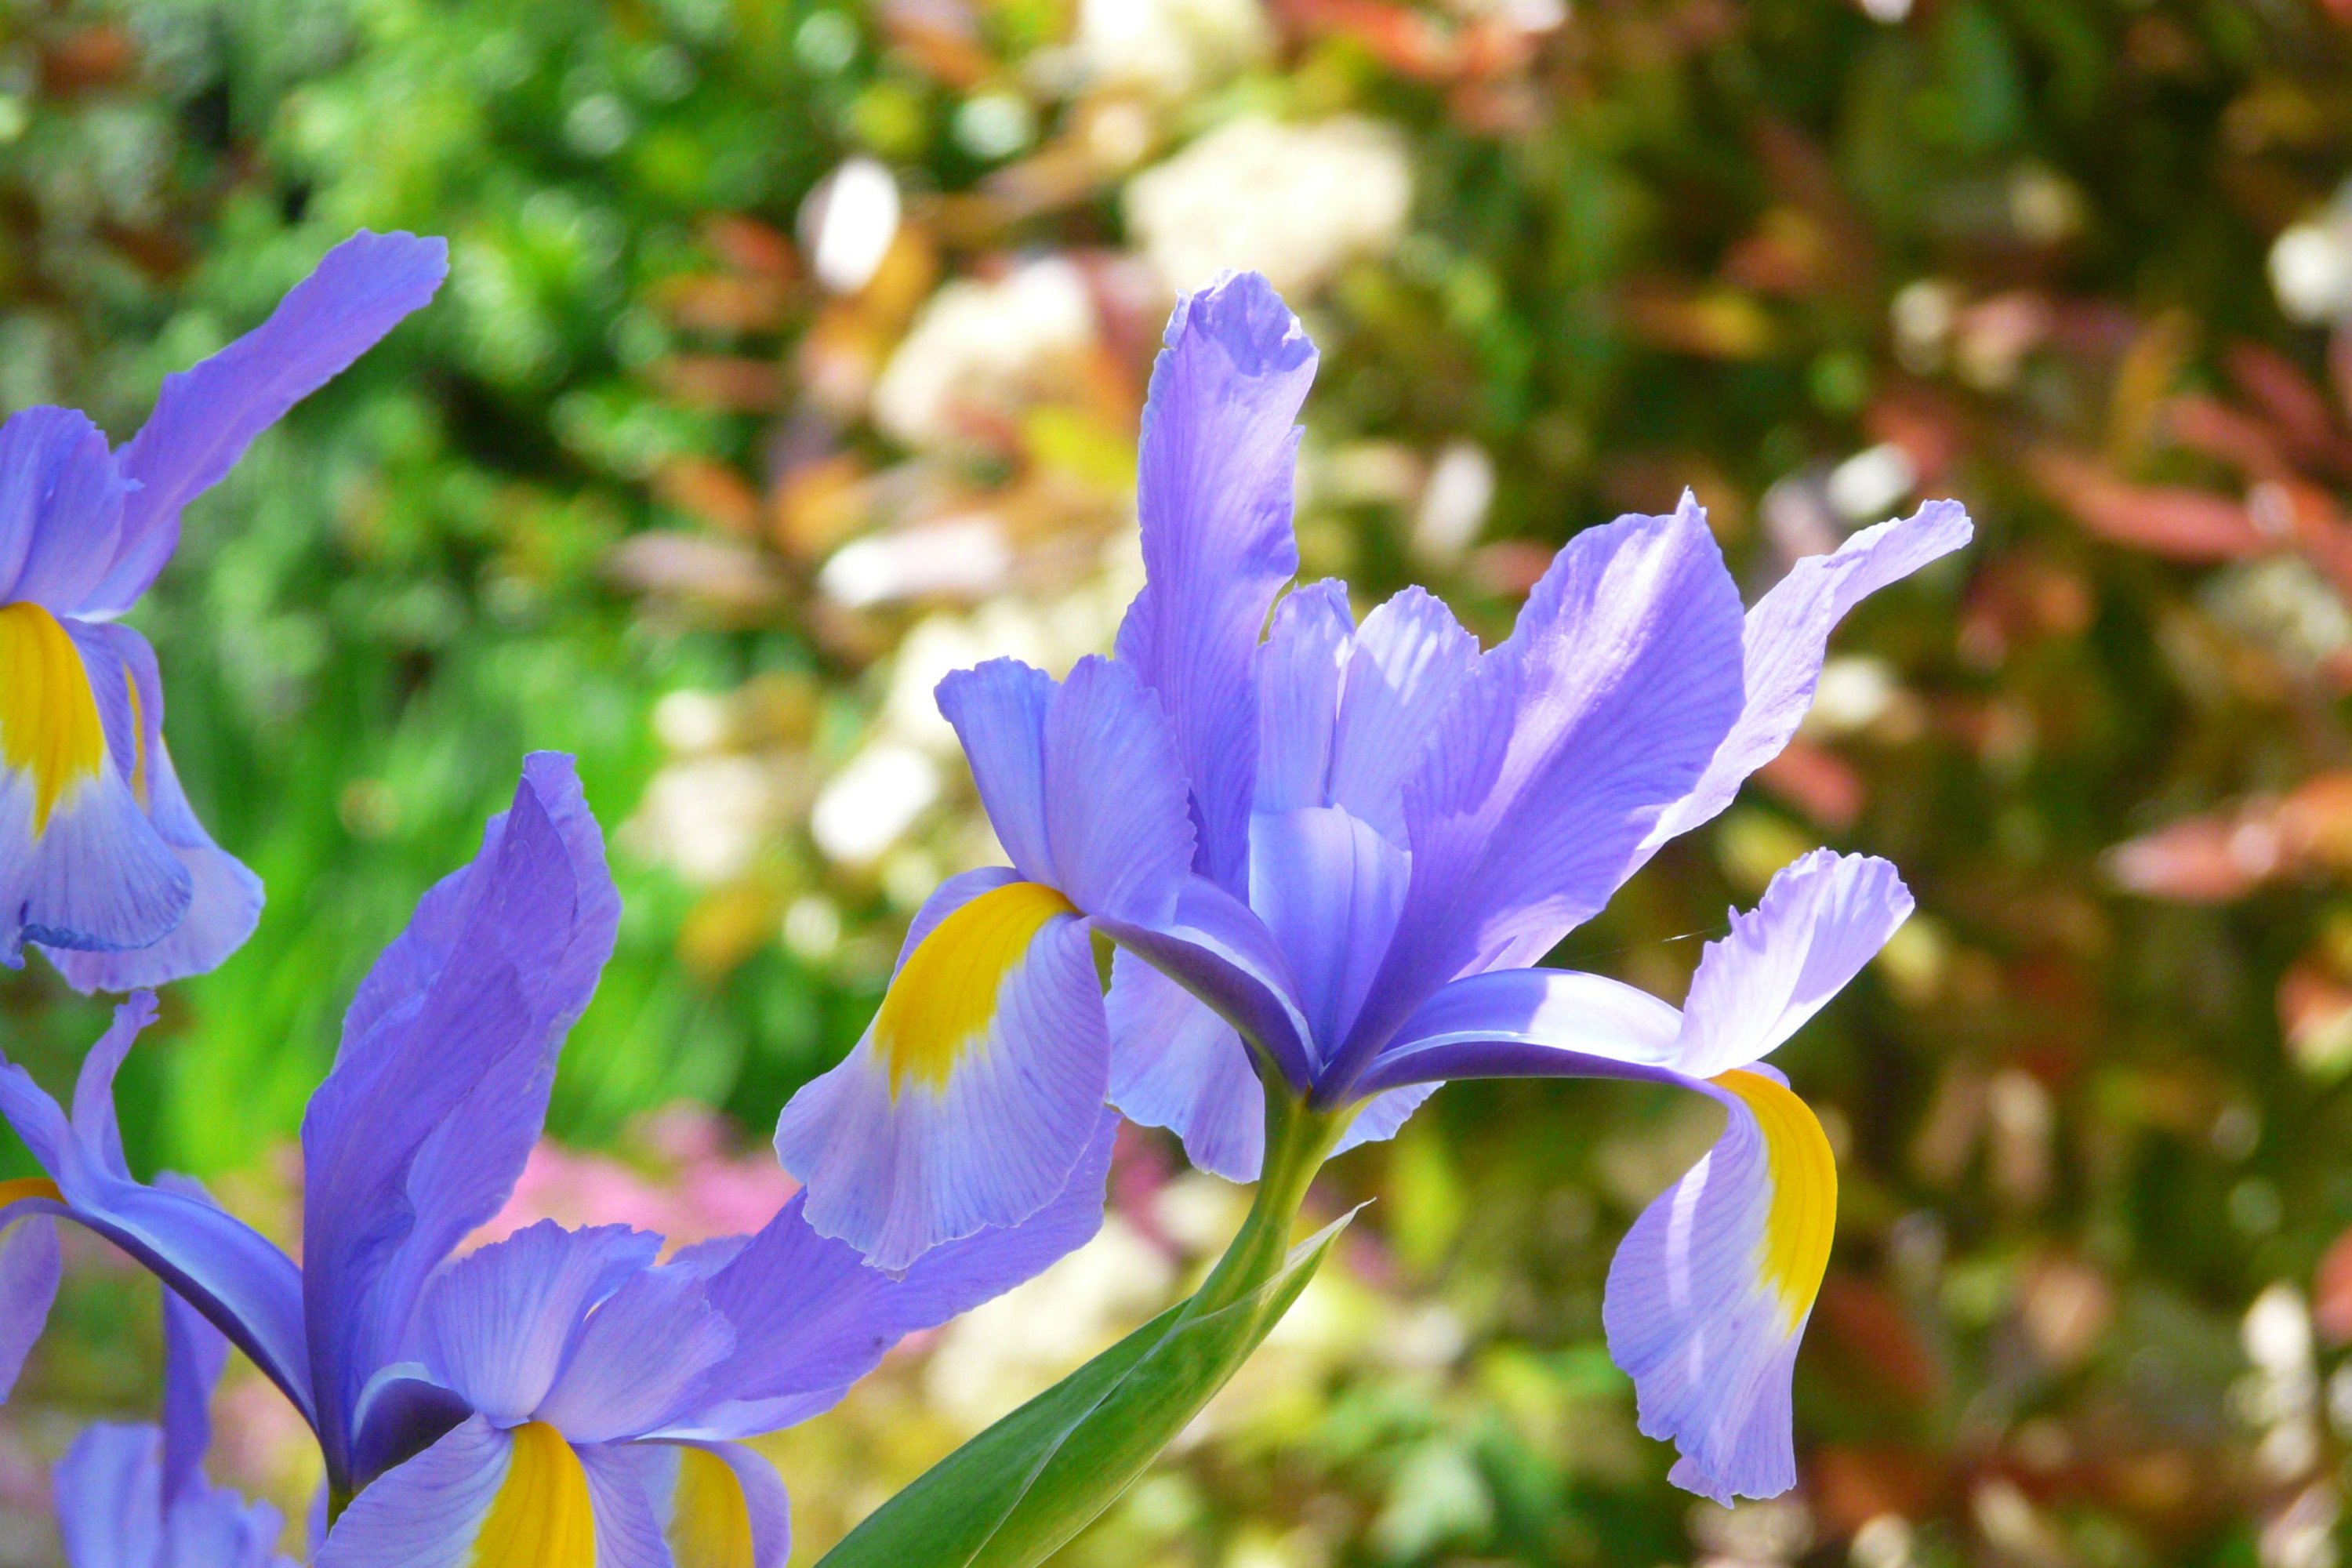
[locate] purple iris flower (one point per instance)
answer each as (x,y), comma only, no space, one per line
(136,1495)
(1329,855)
(102,864)
(560,1386)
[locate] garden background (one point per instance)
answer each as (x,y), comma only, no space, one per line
(792,355)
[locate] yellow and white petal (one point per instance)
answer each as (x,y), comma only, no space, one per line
(1708,1297)
(81,865)
(974,1093)
(721,1505)
(226,897)
(479,1498)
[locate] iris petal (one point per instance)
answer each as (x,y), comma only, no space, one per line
(1214,489)
(206,415)
(1784,641)
(1555,757)
(226,897)
(80,864)
(899,1156)
(1708,1296)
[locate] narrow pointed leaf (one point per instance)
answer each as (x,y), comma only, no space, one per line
(1013,1494)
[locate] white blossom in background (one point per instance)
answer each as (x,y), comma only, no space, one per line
(1453,503)
(960,557)
(705,817)
(2310,265)
(868,806)
(1294,202)
(1872,483)
(983,345)
(1170,49)
(847,222)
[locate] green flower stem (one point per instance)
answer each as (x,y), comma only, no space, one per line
(1298,1141)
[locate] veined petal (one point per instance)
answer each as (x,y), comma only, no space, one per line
(1216,947)
(1410,658)
(1081,781)
(1213,490)
(998,709)
(628,1524)
(1822,918)
(1555,756)
(232,1274)
(494,1326)
(479,1498)
(1531,1023)
(225,903)
(31,1267)
(437,1094)
(811,1317)
(1176,1064)
(61,507)
(637,1360)
(1786,638)
(1299,670)
(1330,889)
(973,1092)
(1710,1293)
(80,864)
(205,417)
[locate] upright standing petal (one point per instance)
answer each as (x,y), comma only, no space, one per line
(225,898)
(1409,660)
(205,417)
(440,1087)
(496,1325)
(60,507)
(1786,638)
(1214,493)
(1530,805)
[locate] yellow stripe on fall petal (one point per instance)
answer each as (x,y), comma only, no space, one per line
(18,1190)
(49,718)
(710,1524)
(946,993)
(541,1517)
(1794,1251)
(138,742)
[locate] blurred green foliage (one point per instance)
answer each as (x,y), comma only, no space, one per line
(678,477)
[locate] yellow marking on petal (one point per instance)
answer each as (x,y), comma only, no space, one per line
(541,1517)
(48,717)
(138,742)
(18,1189)
(710,1524)
(1794,1250)
(946,995)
